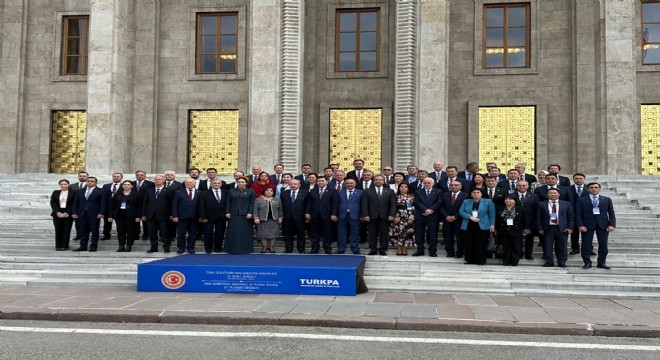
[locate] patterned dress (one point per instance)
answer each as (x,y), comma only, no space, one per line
(402,233)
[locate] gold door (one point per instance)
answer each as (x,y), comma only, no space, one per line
(650,139)
(213,140)
(506,136)
(356,134)
(67,151)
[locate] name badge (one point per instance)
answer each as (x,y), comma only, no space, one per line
(511,191)
(410,206)
(123,205)
(596,211)
(509,222)
(475,213)
(553,217)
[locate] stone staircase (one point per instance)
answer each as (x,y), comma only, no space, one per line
(27,253)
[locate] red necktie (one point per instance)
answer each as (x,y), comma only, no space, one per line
(190,195)
(114,189)
(338,186)
(554,211)
(453,198)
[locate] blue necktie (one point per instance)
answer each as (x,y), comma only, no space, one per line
(293,196)
(217,196)
(157,193)
(595,201)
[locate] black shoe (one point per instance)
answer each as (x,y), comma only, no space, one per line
(573,252)
(166,250)
(80,249)
(314,252)
(328,252)
(357,252)
(179,251)
(152,251)
(128,248)
(450,254)
(603,266)
(191,251)
(302,252)
(75,239)
(92,249)
(418,254)
(433,255)
(382,252)
(593,253)
(373,252)
(121,249)
(529,257)
(340,252)
(207,251)
(459,255)
(548,264)
(587,266)
(561,265)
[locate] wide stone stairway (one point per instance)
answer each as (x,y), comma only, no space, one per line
(28,256)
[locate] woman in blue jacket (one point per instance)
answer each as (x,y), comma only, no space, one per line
(478,221)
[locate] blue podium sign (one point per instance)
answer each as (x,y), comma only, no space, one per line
(255,273)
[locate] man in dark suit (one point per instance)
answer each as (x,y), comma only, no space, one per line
(211,173)
(496,172)
(357,172)
(75,186)
(530,204)
(109,190)
(471,169)
(427,206)
(237,175)
(367,180)
(302,177)
(452,175)
(294,204)
(172,186)
(88,208)
(388,174)
(254,177)
(577,190)
(451,221)
(595,213)
(322,211)
(555,221)
(437,174)
(510,183)
(141,185)
(212,214)
(551,183)
(185,212)
(561,180)
(278,172)
(338,180)
(419,183)
(194,173)
(379,208)
(493,192)
(530,178)
(350,213)
(156,212)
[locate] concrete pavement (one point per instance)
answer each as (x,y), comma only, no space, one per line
(373,310)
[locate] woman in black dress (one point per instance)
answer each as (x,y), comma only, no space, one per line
(125,209)
(511,224)
(61,202)
(240,206)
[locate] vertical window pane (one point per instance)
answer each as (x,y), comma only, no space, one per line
(651,55)
(73,65)
(209,44)
(516,16)
(75,27)
(207,64)
(494,17)
(494,60)
(515,59)
(74,46)
(495,37)
(228,44)
(347,21)
(227,65)
(368,41)
(651,12)
(516,37)
(228,25)
(368,61)
(347,61)
(209,25)
(651,33)
(368,21)
(347,42)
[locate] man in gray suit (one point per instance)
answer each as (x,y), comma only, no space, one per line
(379,206)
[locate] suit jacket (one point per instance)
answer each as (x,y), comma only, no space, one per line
(442,185)
(273,179)
(158,208)
(564,193)
(498,196)
(323,207)
(210,208)
(521,221)
(574,194)
(354,204)
(133,205)
(360,185)
(530,178)
(529,205)
(447,209)
(76,186)
(485,213)
(352,175)
(294,210)
(566,218)
(376,207)
(422,202)
(415,185)
(463,175)
(174,186)
(184,208)
(304,185)
(261,208)
(564,181)
(238,204)
(93,206)
(146,185)
(55,201)
(333,184)
(435,178)
(506,184)
(201,186)
(107,189)
(584,214)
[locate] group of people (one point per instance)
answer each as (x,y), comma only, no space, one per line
(387,209)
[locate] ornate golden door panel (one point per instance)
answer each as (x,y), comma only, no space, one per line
(213,140)
(506,136)
(355,134)
(650,139)
(67,146)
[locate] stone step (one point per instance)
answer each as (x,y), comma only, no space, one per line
(68,282)
(69,274)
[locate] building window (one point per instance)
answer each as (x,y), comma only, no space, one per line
(651,32)
(217,47)
(356,40)
(74,45)
(506,36)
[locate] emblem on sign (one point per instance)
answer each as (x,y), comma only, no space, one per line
(173,280)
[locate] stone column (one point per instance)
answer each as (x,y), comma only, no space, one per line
(291,82)
(264,70)
(432,128)
(620,116)
(13,24)
(108,86)
(405,93)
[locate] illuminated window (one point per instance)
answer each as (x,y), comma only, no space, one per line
(356,45)
(217,47)
(506,36)
(651,32)
(74,45)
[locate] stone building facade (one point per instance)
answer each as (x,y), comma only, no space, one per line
(583,76)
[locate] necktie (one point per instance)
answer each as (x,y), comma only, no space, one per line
(469,176)
(190,195)
(490,193)
(359,175)
(437,176)
(321,193)
(157,193)
(380,191)
(453,198)
(338,186)
(293,196)
(522,199)
(217,196)
(522,176)
(89,191)
(279,178)
(513,185)
(168,184)
(139,184)
(579,190)
(428,192)
(554,211)
(348,196)
(595,201)
(114,189)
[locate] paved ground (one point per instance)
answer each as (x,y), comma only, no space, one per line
(374,310)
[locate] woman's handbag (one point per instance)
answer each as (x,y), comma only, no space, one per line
(491,243)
